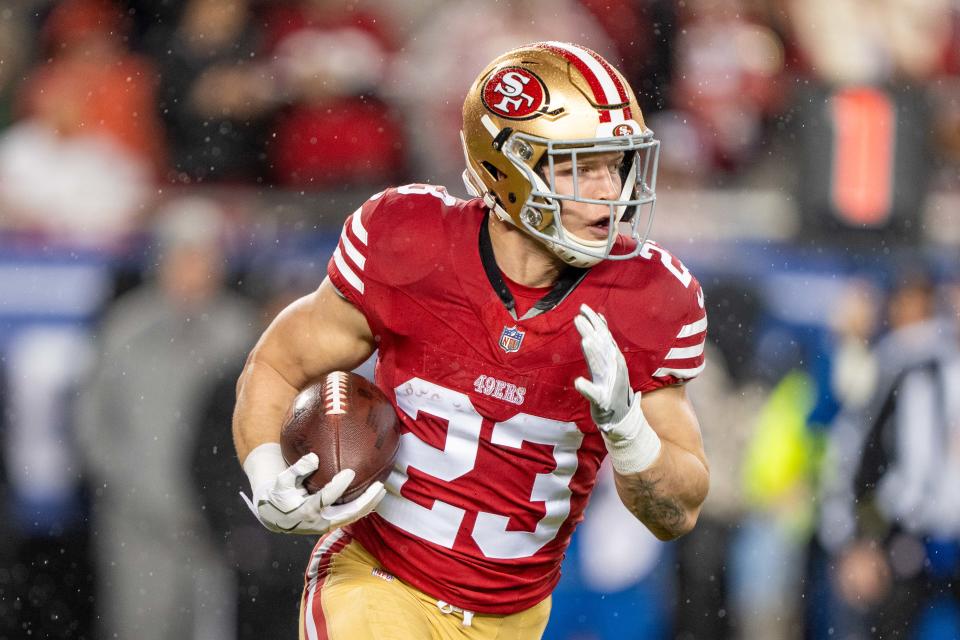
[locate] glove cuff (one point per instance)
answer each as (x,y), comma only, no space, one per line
(636,452)
(264,464)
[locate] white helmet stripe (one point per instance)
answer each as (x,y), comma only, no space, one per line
(597,75)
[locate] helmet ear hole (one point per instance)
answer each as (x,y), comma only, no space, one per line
(495,173)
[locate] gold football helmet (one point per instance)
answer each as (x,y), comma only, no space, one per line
(550,102)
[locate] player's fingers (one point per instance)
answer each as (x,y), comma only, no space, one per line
(302,467)
(593,355)
(598,322)
(341,514)
(372,496)
(583,326)
(587,389)
(332,491)
(375,498)
(595,319)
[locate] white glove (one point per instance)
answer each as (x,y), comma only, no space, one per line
(631,441)
(282,504)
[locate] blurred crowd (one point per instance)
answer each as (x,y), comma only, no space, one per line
(172,172)
(107,105)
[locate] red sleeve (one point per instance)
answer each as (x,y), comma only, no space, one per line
(348,268)
(665,325)
(684,359)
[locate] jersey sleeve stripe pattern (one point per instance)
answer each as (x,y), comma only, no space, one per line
(686,360)
(352,270)
(357,227)
(679,373)
(679,353)
(352,252)
(693,328)
(352,279)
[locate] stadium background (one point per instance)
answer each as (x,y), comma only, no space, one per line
(809,177)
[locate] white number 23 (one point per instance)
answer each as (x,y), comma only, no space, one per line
(441,522)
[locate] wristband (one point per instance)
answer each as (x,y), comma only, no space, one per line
(634,453)
(264,464)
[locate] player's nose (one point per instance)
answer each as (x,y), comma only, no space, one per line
(607,185)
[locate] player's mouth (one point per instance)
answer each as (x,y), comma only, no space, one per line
(599,229)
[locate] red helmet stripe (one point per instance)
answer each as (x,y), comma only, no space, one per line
(616,81)
(581,58)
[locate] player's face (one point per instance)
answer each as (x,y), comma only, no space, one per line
(598,177)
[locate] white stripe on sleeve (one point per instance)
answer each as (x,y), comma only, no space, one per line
(678,373)
(346,271)
(357,257)
(681,353)
(693,328)
(357,227)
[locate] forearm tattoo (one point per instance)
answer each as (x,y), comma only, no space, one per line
(652,507)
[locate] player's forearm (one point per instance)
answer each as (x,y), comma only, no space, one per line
(667,496)
(263,397)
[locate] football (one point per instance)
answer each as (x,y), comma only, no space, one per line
(350,424)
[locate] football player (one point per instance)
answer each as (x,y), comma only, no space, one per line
(522,336)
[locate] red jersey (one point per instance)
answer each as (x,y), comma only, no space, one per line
(499,453)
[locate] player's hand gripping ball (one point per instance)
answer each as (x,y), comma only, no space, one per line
(350,424)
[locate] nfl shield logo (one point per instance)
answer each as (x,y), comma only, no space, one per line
(510,339)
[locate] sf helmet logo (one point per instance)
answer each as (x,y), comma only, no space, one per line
(514,93)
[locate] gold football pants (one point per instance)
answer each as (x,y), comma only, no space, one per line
(348,596)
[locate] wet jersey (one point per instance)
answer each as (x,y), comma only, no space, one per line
(498,454)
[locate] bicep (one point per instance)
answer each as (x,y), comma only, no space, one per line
(316,334)
(670,413)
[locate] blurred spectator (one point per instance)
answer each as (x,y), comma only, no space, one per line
(704,606)
(617,577)
(448,50)
(81,162)
(15,53)
(851,42)
(854,324)
(46,577)
(330,58)
(769,554)
(891,514)
(216,94)
(643,35)
(268,568)
(163,347)
(91,83)
(728,81)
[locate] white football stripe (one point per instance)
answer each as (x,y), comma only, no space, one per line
(681,353)
(334,393)
(357,226)
(357,257)
(321,551)
(678,373)
(693,328)
(346,271)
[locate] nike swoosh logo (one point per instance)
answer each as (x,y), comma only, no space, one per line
(289,529)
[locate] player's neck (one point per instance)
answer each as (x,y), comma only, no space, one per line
(520,257)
